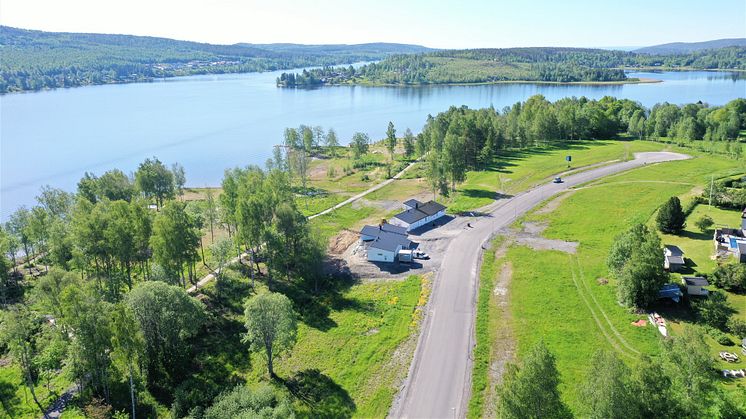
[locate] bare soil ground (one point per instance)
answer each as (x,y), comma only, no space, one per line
(504,345)
(531,236)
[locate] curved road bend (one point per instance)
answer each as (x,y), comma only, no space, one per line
(439,380)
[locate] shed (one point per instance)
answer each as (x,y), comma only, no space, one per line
(671,291)
(673,258)
(695,285)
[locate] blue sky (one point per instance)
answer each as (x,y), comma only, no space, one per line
(441,24)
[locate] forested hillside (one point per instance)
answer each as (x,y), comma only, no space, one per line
(688,47)
(564,65)
(34,60)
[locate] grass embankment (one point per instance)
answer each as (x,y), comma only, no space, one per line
(488,324)
(562,298)
(350,352)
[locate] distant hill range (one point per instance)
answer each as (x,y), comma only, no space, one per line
(689,47)
(375,48)
(34,60)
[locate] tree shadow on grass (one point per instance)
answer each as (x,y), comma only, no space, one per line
(510,158)
(324,397)
(8,398)
(696,235)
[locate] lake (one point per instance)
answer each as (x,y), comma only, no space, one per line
(210,123)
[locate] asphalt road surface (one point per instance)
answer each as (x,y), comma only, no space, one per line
(439,380)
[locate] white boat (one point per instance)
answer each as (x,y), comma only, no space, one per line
(659,322)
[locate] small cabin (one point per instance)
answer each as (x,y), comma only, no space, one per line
(673,258)
(695,285)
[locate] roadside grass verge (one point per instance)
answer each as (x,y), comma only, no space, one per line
(485,327)
(565,299)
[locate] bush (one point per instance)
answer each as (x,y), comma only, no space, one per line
(365,178)
(704,223)
(731,277)
(720,337)
(331,172)
(714,310)
(737,327)
(691,206)
(671,218)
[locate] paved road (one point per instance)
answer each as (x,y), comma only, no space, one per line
(439,380)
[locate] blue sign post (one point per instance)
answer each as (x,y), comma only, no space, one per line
(569,159)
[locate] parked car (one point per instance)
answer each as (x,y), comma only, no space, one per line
(557,180)
(418,254)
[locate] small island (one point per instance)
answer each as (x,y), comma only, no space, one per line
(513,65)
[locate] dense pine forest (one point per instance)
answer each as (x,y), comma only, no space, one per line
(35,60)
(564,65)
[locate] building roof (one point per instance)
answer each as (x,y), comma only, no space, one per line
(695,281)
(675,260)
(374,231)
(390,242)
(413,215)
(671,291)
(412,203)
(672,250)
(431,208)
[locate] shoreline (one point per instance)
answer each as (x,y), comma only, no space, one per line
(637,80)
(590,83)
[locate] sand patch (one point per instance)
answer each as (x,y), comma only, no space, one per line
(341,242)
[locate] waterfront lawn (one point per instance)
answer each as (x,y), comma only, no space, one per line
(515,171)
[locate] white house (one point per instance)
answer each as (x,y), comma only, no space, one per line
(418,214)
(695,285)
(386,247)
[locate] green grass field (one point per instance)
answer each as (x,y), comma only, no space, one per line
(560,298)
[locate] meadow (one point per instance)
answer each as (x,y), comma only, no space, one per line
(569,301)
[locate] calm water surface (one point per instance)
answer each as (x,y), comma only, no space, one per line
(210,123)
